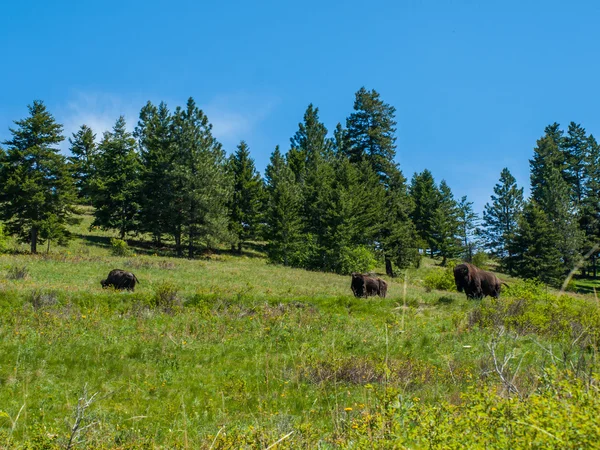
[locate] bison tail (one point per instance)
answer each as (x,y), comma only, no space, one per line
(135,278)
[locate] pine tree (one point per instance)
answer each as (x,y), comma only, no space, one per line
(283,213)
(371,132)
(546,156)
(159,197)
(554,200)
(201,178)
(467,226)
(83,151)
(590,206)
(116,183)
(247,199)
(534,247)
(445,225)
(426,198)
(576,149)
(37,189)
(501,215)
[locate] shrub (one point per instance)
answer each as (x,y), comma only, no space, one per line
(166,297)
(17,272)
(39,299)
(480,259)
(441,279)
(119,247)
(356,259)
(3,240)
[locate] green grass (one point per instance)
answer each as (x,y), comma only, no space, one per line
(232,352)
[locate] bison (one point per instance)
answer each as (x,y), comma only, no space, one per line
(120,279)
(475,282)
(367,286)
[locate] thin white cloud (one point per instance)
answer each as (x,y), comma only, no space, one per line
(97,111)
(234,117)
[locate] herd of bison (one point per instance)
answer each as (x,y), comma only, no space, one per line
(476,283)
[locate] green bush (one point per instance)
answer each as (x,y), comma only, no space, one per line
(3,240)
(356,259)
(481,260)
(440,279)
(119,247)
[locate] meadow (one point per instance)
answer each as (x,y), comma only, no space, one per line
(229,351)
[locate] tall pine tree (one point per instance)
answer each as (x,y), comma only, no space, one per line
(467,226)
(500,217)
(159,196)
(82,159)
(116,182)
(37,190)
(201,179)
(426,198)
(445,226)
(284,226)
(248,196)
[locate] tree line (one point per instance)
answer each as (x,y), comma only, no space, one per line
(332,201)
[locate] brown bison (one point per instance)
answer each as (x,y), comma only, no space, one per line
(120,279)
(367,286)
(475,282)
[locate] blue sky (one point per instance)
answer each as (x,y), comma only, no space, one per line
(474,82)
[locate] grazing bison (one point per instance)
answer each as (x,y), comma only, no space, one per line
(367,286)
(120,279)
(476,283)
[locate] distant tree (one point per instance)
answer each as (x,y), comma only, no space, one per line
(589,221)
(247,199)
(445,226)
(534,247)
(201,178)
(36,184)
(116,183)
(500,217)
(576,149)
(284,226)
(546,155)
(552,193)
(370,132)
(554,200)
(426,198)
(82,159)
(467,226)
(160,200)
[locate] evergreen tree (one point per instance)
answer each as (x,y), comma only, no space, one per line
(116,184)
(501,215)
(576,149)
(426,198)
(247,199)
(445,225)
(160,207)
(555,201)
(37,189)
(283,213)
(371,132)
(201,179)
(83,151)
(534,247)
(590,207)
(546,156)
(467,226)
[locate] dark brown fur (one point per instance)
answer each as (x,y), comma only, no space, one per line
(475,282)
(367,286)
(120,279)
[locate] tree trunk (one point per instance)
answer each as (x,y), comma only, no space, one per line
(594,264)
(388,267)
(177,236)
(34,238)
(239,249)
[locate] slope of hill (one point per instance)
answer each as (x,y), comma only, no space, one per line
(232,352)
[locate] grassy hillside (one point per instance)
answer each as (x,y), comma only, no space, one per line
(232,352)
